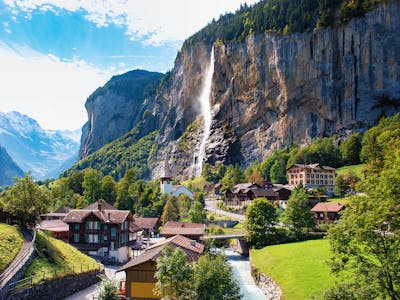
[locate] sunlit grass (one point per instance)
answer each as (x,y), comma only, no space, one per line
(11,240)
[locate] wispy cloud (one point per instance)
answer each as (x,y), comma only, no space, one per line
(152,21)
(46,88)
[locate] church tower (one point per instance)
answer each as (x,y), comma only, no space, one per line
(166,180)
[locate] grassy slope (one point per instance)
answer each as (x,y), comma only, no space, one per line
(11,241)
(56,258)
(300,269)
(357,169)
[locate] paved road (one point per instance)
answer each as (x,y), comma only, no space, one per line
(93,291)
(211,206)
(241,270)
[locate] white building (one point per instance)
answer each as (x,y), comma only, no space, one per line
(166,186)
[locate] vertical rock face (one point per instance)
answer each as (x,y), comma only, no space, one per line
(268,92)
(8,168)
(273,90)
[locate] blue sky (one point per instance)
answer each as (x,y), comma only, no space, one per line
(53,54)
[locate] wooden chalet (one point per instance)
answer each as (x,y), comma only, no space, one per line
(148,225)
(103,231)
(327,212)
(140,271)
(193,231)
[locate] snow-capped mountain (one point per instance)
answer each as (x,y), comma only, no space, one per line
(43,152)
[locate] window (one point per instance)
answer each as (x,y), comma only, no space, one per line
(76,237)
(92,224)
(92,238)
(113,231)
(113,245)
(76,226)
(105,238)
(105,226)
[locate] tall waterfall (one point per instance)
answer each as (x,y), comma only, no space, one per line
(205,106)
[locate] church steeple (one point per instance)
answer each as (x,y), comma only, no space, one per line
(166,178)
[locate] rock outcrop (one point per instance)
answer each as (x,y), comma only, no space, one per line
(268,91)
(8,168)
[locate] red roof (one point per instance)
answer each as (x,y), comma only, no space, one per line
(328,207)
(146,223)
(182,228)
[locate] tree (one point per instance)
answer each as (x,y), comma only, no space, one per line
(109,289)
(213,279)
(26,200)
(259,222)
(350,149)
(174,276)
(91,185)
(256,177)
(108,189)
(233,176)
(184,207)
(298,213)
(170,211)
(197,213)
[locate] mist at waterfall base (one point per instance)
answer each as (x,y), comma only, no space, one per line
(205,107)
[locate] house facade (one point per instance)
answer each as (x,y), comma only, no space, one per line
(327,212)
(103,231)
(140,271)
(312,176)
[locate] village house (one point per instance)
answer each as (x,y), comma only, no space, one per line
(103,231)
(148,225)
(327,212)
(194,231)
(140,271)
(53,223)
(59,214)
(166,186)
(312,176)
(244,193)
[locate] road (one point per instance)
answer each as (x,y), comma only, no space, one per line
(93,291)
(211,205)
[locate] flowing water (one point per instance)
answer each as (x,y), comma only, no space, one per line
(205,106)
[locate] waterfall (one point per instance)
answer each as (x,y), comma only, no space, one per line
(205,106)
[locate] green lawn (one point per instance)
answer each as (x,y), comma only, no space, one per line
(357,169)
(300,268)
(11,241)
(344,200)
(56,259)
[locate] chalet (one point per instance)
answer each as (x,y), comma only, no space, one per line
(327,212)
(245,193)
(55,227)
(103,231)
(166,186)
(140,271)
(148,225)
(312,176)
(193,231)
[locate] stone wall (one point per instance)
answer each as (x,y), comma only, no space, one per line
(270,288)
(59,288)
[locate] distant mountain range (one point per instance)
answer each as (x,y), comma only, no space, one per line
(8,168)
(46,153)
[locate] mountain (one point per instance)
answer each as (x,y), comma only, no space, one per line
(34,149)
(271,85)
(8,168)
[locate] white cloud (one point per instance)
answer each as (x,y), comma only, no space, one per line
(154,21)
(42,86)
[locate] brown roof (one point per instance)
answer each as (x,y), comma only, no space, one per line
(53,225)
(328,207)
(146,223)
(312,166)
(264,193)
(133,227)
(182,228)
(106,216)
(64,209)
(104,206)
(192,249)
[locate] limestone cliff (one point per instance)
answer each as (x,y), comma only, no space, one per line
(268,91)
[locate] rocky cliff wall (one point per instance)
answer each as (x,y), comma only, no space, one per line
(273,90)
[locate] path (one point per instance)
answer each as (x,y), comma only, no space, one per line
(19,261)
(211,206)
(241,270)
(93,291)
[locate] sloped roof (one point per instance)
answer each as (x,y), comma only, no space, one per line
(192,249)
(104,205)
(182,228)
(53,225)
(328,207)
(146,223)
(312,166)
(64,209)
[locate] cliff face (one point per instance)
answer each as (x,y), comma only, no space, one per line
(272,90)
(8,169)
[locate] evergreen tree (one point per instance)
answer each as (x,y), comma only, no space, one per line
(170,211)
(197,213)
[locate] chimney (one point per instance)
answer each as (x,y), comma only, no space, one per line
(108,215)
(99,206)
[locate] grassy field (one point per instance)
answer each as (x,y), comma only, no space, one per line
(11,241)
(55,259)
(300,268)
(357,169)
